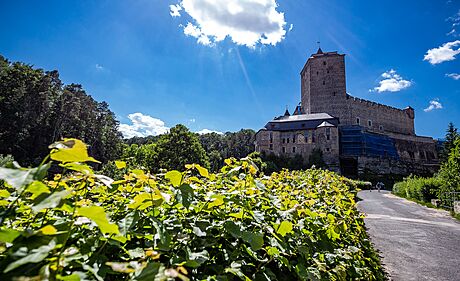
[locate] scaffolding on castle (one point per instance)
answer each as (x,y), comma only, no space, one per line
(355,141)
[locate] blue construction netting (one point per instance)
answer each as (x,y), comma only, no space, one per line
(354,141)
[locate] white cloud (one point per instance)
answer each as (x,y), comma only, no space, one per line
(434,104)
(446,52)
(193,120)
(99,67)
(207,131)
(175,10)
(391,82)
(454,76)
(455,20)
(245,22)
(142,126)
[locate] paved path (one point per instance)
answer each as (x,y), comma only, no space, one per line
(416,242)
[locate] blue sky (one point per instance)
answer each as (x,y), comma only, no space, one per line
(158,66)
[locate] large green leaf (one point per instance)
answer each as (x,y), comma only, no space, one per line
(185,196)
(8,235)
(256,240)
(154,271)
(284,228)
(196,259)
(98,215)
(51,201)
(37,188)
(34,256)
(70,150)
(175,177)
(233,229)
(17,178)
(216,200)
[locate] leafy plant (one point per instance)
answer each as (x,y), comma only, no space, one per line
(179,225)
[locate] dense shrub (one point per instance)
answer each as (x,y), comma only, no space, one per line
(425,189)
(418,188)
(450,170)
(234,225)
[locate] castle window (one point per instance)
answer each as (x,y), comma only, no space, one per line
(357,120)
(306,136)
(369,122)
(271,146)
(293,149)
(313,137)
(324,82)
(287,140)
(334,94)
(293,139)
(284,149)
(328,149)
(271,137)
(381,128)
(328,133)
(328,71)
(284,140)
(324,63)
(317,72)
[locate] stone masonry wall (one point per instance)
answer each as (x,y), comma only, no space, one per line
(301,142)
(377,117)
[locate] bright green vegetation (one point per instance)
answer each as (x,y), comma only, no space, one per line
(190,225)
(446,180)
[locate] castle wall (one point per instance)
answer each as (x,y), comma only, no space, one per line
(377,117)
(301,142)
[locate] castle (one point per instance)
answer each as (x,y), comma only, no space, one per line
(355,135)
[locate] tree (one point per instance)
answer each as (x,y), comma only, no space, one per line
(450,170)
(316,159)
(451,136)
(179,147)
(36,109)
(238,145)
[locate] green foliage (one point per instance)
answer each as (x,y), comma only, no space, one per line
(189,225)
(6,160)
(418,188)
(36,109)
(222,146)
(316,158)
(451,135)
(171,151)
(275,163)
(450,170)
(425,189)
(180,147)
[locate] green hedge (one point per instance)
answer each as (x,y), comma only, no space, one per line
(189,225)
(418,188)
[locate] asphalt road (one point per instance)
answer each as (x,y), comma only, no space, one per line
(416,242)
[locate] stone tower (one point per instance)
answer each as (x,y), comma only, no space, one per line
(323,83)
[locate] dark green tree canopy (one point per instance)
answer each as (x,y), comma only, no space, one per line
(36,109)
(451,135)
(180,147)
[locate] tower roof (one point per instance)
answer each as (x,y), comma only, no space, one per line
(286,113)
(319,51)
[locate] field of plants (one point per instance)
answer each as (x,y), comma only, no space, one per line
(179,225)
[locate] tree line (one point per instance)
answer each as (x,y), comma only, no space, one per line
(37,109)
